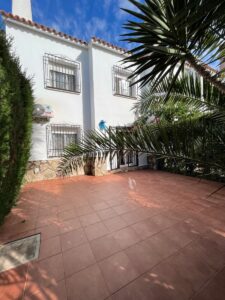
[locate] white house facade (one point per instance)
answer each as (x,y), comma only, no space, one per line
(77,87)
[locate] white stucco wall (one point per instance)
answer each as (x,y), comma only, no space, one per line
(68,108)
(96,101)
(115,110)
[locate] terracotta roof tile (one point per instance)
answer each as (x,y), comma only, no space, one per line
(109,45)
(60,34)
(41,27)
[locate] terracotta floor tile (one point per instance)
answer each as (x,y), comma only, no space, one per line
(96,230)
(64,207)
(124,208)
(80,202)
(67,215)
(192,267)
(89,219)
(117,271)
(162,221)
(166,283)
(87,285)
(133,217)
(139,289)
(191,229)
(191,205)
(215,289)
(48,232)
(126,237)
(208,251)
(12,283)
(43,221)
(114,202)
(56,291)
(20,228)
(115,223)
(77,259)
(69,225)
(104,247)
(51,211)
(100,206)
(217,237)
(45,273)
(49,247)
(143,257)
(84,210)
(146,228)
(72,239)
(162,244)
(107,213)
(178,236)
(159,213)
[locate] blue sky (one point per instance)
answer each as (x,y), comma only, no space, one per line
(81,18)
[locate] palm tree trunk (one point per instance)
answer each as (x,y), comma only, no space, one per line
(201,70)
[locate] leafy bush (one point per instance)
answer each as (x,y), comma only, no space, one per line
(16,106)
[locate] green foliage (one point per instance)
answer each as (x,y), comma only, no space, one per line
(169,112)
(195,143)
(170,33)
(191,96)
(16,106)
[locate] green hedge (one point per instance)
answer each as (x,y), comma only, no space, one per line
(16,106)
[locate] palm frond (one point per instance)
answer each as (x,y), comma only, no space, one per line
(170,33)
(189,89)
(184,141)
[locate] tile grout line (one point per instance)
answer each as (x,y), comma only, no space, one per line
(111,232)
(163,260)
(96,263)
(204,285)
(64,273)
(125,248)
(142,240)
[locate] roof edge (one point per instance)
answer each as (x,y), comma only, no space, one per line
(107,45)
(42,28)
(54,33)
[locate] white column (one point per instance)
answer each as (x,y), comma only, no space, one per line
(22,8)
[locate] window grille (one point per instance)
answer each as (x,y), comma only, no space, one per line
(59,136)
(61,74)
(122,85)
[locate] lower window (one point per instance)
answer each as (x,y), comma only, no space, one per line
(59,136)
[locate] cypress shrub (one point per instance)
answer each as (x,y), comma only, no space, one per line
(16,106)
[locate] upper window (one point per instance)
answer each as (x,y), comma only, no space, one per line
(122,85)
(61,73)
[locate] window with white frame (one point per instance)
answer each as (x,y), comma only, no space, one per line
(122,84)
(61,73)
(59,136)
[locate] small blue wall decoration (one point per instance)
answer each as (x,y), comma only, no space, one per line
(102,125)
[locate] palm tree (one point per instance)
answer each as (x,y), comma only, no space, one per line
(171,33)
(199,140)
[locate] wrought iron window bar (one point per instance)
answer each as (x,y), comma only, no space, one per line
(59,136)
(61,73)
(122,85)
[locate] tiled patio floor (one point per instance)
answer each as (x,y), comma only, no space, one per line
(142,235)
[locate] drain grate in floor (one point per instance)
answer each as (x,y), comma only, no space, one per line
(19,252)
